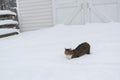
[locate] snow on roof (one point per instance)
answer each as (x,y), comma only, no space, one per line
(5,22)
(5,31)
(7,12)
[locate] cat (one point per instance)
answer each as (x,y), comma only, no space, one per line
(81,50)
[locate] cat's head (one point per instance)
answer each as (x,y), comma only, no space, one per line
(68,53)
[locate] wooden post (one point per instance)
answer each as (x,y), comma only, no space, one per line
(8,34)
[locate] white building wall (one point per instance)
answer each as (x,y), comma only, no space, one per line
(119,10)
(84,11)
(35,14)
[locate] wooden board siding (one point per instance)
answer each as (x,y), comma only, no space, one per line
(35,14)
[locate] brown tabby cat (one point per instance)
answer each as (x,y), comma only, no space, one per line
(82,49)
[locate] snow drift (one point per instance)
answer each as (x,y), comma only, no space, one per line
(39,55)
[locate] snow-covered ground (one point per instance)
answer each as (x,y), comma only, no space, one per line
(39,55)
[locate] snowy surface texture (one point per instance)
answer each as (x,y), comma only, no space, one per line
(9,30)
(7,12)
(7,22)
(39,55)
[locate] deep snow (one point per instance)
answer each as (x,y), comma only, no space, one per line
(39,55)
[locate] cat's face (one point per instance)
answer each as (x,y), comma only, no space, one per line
(68,51)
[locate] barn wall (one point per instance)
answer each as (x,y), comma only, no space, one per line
(119,10)
(35,14)
(84,11)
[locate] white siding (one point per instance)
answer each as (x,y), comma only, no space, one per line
(119,10)
(35,14)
